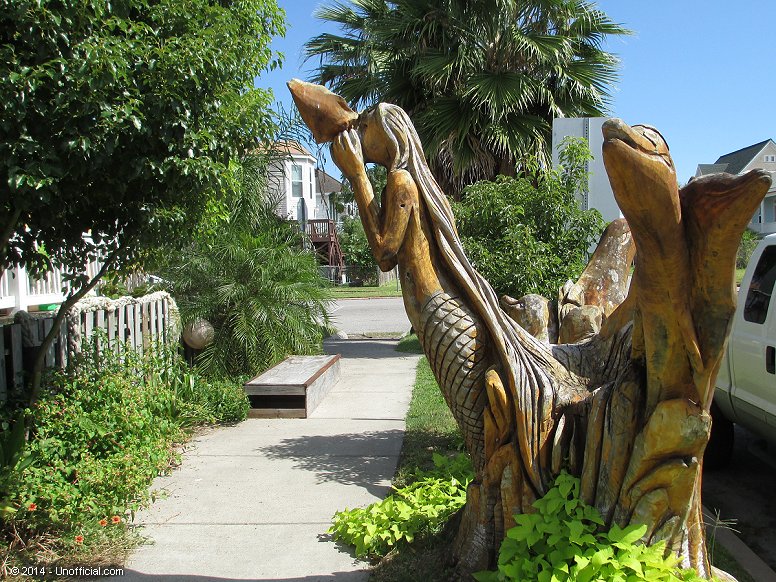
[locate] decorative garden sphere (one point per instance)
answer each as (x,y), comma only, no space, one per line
(198,334)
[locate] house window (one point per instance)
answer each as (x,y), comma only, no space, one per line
(296,181)
(770,158)
(312,182)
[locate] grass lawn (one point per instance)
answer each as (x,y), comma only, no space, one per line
(431,428)
(387,290)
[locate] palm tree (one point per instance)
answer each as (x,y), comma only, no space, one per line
(252,280)
(482,79)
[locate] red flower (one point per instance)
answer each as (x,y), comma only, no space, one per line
(32,507)
(103,522)
(115,519)
(79,539)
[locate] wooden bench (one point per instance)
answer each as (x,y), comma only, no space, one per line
(293,388)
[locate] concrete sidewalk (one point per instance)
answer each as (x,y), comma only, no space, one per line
(254,501)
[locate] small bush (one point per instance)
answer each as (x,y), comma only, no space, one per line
(749,241)
(529,234)
(417,509)
(247,273)
(561,542)
(99,435)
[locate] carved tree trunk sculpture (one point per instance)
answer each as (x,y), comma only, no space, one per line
(626,410)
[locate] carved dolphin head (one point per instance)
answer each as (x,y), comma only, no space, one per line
(642,139)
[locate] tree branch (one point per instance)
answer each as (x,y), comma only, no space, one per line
(40,357)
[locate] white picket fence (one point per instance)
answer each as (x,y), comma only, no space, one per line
(136,323)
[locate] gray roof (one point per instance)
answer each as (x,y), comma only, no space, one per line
(327,183)
(704,169)
(738,160)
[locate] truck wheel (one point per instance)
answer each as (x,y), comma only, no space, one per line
(720,448)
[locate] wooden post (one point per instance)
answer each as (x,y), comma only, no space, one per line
(3,381)
(47,325)
(62,345)
(137,316)
(17,364)
(111,323)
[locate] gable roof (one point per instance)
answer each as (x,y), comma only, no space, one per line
(739,159)
(326,183)
(291,147)
(704,169)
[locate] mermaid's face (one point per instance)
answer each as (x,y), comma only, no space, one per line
(375,144)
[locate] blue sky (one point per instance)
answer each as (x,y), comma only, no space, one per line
(702,72)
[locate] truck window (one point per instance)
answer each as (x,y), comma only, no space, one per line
(759,296)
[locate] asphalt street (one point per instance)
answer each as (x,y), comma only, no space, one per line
(374,316)
(743,494)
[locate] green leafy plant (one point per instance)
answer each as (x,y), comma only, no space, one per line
(481,81)
(529,234)
(247,274)
(12,458)
(417,509)
(562,542)
(355,245)
(749,241)
(99,435)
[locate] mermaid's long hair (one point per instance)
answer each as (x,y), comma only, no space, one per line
(520,354)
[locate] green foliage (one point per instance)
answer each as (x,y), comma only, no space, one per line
(13,459)
(410,344)
(412,511)
(355,245)
(120,117)
(529,234)
(246,274)
(561,542)
(482,81)
(378,177)
(101,433)
(749,242)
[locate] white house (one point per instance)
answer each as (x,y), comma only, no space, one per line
(599,193)
(758,156)
(303,191)
(305,194)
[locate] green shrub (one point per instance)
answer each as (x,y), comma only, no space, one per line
(355,245)
(247,274)
(417,509)
(562,542)
(101,433)
(749,241)
(529,234)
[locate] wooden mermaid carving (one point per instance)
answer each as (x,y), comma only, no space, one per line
(626,410)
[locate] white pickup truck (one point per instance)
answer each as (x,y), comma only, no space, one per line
(746,385)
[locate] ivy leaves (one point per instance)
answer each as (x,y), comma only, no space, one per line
(414,510)
(562,541)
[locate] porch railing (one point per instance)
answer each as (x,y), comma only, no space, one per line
(20,291)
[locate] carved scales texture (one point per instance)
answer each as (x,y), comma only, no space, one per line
(451,338)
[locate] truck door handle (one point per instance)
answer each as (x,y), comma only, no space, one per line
(770,360)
